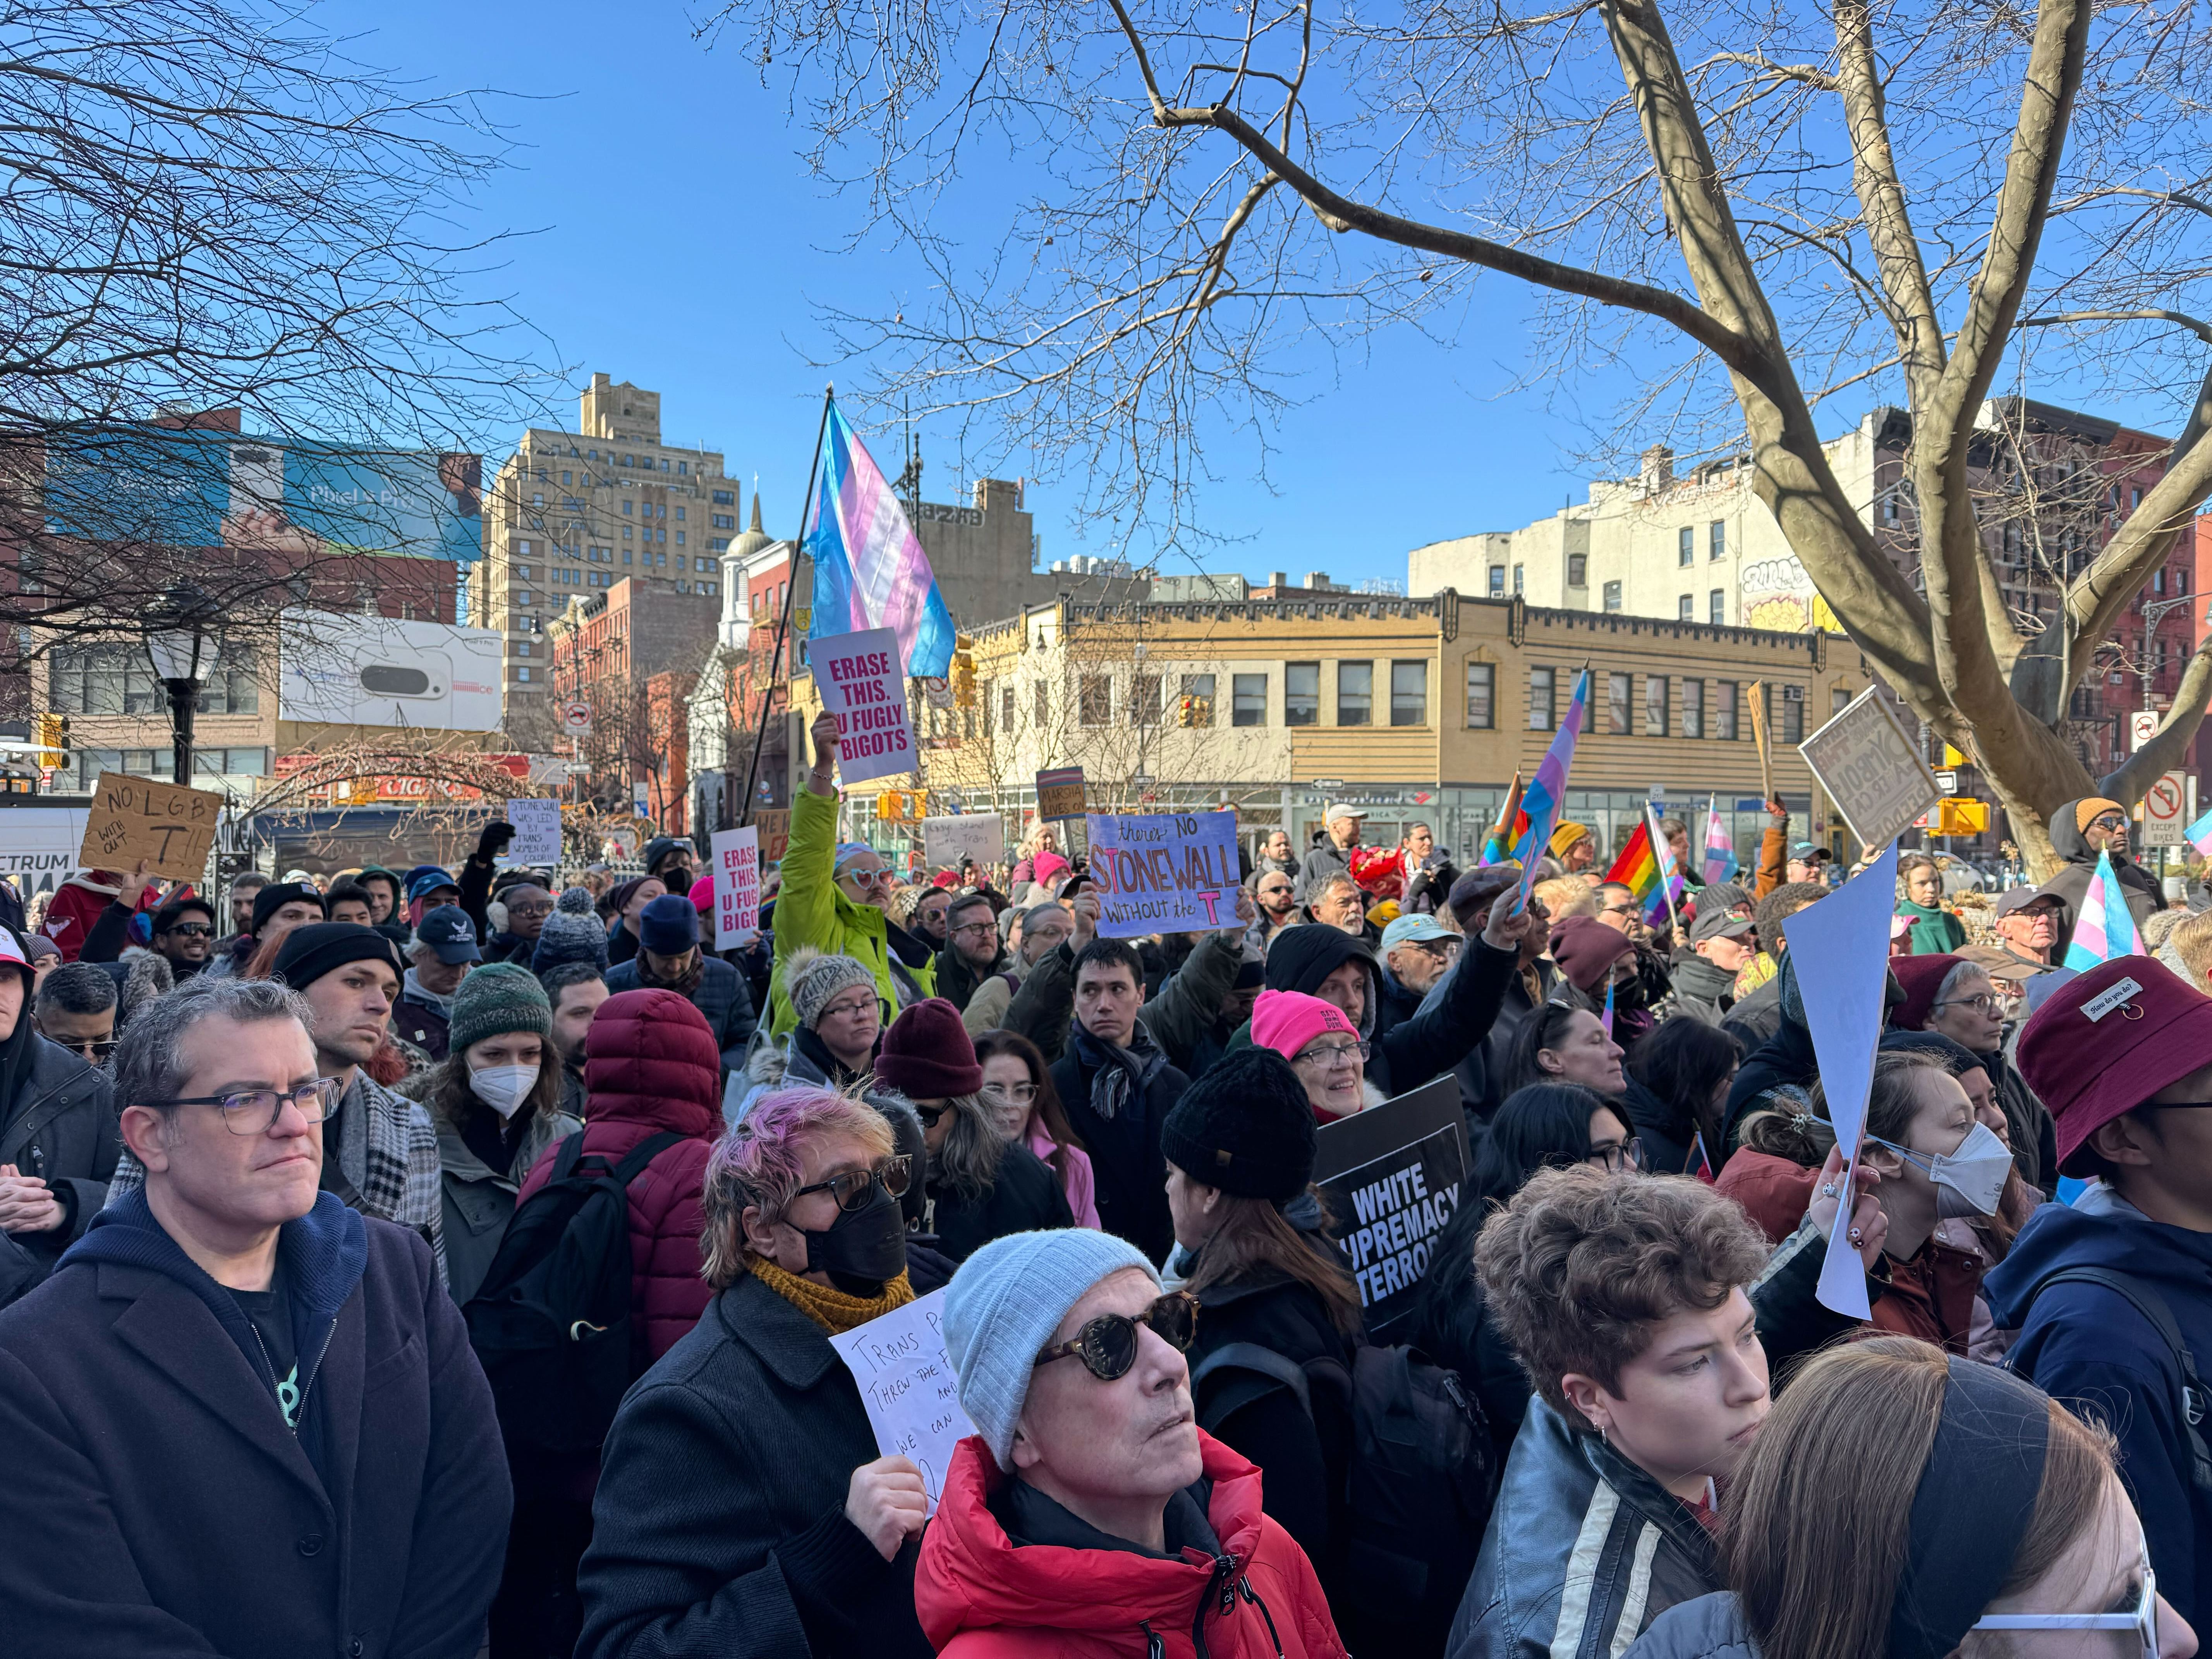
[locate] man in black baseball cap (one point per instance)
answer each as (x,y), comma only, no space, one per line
(2027,920)
(1704,974)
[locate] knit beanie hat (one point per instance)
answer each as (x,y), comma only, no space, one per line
(495,999)
(1003,1306)
(2090,808)
(572,933)
(1586,949)
(1286,1021)
(810,979)
(323,947)
(276,895)
(1565,836)
(1922,978)
(668,926)
(702,894)
(926,1054)
(1244,1126)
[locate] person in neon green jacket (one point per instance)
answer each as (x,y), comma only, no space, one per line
(834,897)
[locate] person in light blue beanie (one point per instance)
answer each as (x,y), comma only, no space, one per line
(1002,1308)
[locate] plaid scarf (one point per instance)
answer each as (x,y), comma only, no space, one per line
(684,983)
(1117,1074)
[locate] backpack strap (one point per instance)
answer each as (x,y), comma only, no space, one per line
(2147,1301)
(643,1154)
(565,1154)
(1252,1357)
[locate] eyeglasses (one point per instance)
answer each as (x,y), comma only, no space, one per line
(867,878)
(980,929)
(1021,1093)
(1107,1345)
(94,1050)
(530,911)
(2142,1619)
(851,1188)
(190,930)
(255,1111)
(852,1010)
(1327,1054)
(1621,1155)
(1986,1001)
(929,1114)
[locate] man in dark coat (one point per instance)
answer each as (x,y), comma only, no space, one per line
(1332,856)
(241,1418)
(973,950)
(57,1135)
(2079,831)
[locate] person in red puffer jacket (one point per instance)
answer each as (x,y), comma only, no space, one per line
(650,1065)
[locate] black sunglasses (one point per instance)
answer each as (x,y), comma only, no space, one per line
(929,1114)
(851,1188)
(1107,1345)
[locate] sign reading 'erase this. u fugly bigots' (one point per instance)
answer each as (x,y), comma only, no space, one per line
(861,680)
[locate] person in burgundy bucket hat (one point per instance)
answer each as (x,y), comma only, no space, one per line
(2122,1054)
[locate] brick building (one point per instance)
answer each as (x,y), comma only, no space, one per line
(605,651)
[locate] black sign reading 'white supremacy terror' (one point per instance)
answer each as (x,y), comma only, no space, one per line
(1391,1177)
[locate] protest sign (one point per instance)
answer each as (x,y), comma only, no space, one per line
(134,819)
(773,824)
(737,886)
(1164,873)
(1059,794)
(536,833)
(1391,1177)
(39,845)
(946,841)
(861,681)
(1840,951)
(908,1385)
(1871,770)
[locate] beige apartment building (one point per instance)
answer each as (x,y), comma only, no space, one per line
(570,514)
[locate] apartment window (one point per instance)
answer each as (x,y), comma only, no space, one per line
(522,673)
(1685,609)
(522,550)
(1355,694)
(629,460)
(2134,498)
(625,551)
(104,679)
(629,506)
(1043,713)
(1725,709)
(1716,539)
(724,521)
(679,539)
(1301,693)
(1686,546)
(2180,579)
(522,572)
(2158,579)
(1096,702)
(1612,596)
(1482,695)
(1006,709)
(724,498)
(1409,694)
(1839,697)
(1199,688)
(567,480)
(1497,581)
(682,467)
(1654,705)
(1716,607)
(1693,708)
(1145,698)
(1542,685)
(1248,694)
(1517,579)
(1577,569)
(1619,705)
(664,463)
(522,647)
(1793,714)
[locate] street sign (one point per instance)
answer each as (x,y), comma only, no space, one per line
(1947,782)
(2143,727)
(641,799)
(576,718)
(2166,810)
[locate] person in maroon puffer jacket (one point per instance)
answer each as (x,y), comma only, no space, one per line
(650,1064)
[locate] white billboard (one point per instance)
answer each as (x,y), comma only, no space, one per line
(379,671)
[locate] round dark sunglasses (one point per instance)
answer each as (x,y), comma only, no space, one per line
(1107,1345)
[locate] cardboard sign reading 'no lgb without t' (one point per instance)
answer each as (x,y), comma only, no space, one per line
(135,820)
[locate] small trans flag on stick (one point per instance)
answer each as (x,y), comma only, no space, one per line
(1541,801)
(2199,834)
(2106,926)
(1720,846)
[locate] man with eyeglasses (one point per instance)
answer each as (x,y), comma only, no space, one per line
(57,1141)
(2120,1054)
(1088,1506)
(743,1507)
(241,1418)
(973,951)
(2081,830)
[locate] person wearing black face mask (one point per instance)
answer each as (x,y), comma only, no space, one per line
(742,1509)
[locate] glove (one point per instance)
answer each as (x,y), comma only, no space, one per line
(495,840)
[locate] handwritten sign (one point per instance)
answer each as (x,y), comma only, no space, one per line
(133,818)
(1059,794)
(1164,873)
(773,824)
(978,835)
(908,1385)
(861,682)
(737,886)
(1392,1176)
(1872,771)
(536,833)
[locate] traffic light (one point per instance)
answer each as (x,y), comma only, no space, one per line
(1961,815)
(1193,710)
(52,734)
(963,679)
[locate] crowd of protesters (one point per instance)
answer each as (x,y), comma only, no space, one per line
(432,1262)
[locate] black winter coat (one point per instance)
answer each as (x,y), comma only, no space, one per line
(720,1523)
(1025,1198)
(61,1126)
(156,1505)
(1127,1164)
(1482,1070)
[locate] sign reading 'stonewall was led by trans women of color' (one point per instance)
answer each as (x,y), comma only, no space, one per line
(1163,873)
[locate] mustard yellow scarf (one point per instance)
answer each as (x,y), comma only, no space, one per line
(827,1306)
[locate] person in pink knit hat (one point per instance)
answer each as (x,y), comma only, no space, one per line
(1323,1046)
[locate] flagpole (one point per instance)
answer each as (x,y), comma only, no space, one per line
(1666,887)
(790,593)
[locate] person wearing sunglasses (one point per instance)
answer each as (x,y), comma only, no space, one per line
(1088,1513)
(58,1149)
(264,1403)
(743,1506)
(2081,830)
(184,934)
(2120,1053)
(76,1007)
(1987,1522)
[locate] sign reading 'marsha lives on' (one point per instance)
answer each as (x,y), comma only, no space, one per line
(1165,872)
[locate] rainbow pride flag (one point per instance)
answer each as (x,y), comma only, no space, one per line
(1541,801)
(1646,868)
(869,568)
(1512,824)
(2104,928)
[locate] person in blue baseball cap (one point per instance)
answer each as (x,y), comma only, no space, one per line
(428,887)
(1418,951)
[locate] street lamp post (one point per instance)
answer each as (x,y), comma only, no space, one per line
(2154,612)
(178,642)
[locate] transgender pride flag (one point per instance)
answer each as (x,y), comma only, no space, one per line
(2106,926)
(1720,846)
(2199,834)
(869,568)
(1541,800)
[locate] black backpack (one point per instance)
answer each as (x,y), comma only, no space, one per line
(1419,1481)
(550,1324)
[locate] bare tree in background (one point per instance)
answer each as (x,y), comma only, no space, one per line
(1738,210)
(214,228)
